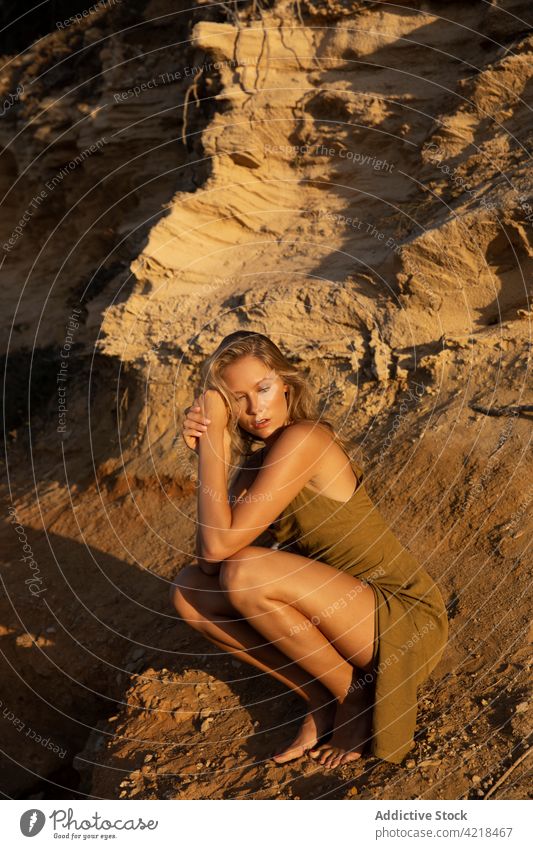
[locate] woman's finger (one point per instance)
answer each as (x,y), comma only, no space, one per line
(195,423)
(194,426)
(196,420)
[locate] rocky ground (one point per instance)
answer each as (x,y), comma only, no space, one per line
(352,179)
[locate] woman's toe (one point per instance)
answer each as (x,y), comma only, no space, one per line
(325,756)
(335,760)
(332,757)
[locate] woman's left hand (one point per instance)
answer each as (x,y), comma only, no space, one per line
(214,407)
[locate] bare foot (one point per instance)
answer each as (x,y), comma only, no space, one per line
(351,733)
(317,722)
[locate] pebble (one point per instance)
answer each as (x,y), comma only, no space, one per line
(410,764)
(476,779)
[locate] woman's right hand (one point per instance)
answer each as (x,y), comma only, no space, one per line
(194,425)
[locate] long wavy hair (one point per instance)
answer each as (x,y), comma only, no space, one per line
(301,403)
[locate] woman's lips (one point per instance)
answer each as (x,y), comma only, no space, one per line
(263,424)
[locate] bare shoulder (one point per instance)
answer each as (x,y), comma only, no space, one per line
(313,431)
(304,439)
(334,474)
(300,432)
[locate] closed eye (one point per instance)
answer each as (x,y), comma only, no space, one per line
(263,389)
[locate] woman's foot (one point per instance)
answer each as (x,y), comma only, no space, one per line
(351,732)
(317,724)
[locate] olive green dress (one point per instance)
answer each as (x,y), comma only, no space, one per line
(411,625)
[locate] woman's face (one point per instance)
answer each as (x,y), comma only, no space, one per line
(259,394)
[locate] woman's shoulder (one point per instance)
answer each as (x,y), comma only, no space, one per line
(321,434)
(311,425)
(302,436)
(334,455)
(316,435)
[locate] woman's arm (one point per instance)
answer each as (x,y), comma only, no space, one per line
(291,464)
(207,566)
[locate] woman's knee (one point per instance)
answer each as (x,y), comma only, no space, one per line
(182,589)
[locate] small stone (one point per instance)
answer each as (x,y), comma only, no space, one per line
(148,758)
(484,702)
(476,779)
(410,764)
(206,723)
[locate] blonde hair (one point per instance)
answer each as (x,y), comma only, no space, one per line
(301,403)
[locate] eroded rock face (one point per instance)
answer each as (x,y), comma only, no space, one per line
(352,180)
(367,169)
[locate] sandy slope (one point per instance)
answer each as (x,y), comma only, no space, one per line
(354,181)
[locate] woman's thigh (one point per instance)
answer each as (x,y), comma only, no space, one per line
(339,604)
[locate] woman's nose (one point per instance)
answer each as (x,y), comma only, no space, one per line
(252,408)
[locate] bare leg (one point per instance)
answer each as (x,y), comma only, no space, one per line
(353,727)
(283,595)
(201,602)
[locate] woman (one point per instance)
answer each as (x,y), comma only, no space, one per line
(340,612)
